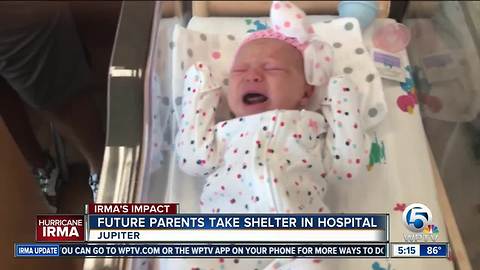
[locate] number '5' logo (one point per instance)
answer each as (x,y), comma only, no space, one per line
(416,216)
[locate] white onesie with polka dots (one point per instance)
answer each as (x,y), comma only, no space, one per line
(276,161)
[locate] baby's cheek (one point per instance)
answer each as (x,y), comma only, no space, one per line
(233,88)
(233,98)
(287,96)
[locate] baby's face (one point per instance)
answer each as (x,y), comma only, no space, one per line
(267,74)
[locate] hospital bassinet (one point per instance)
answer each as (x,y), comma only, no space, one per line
(140,166)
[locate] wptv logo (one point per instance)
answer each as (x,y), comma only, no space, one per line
(418,219)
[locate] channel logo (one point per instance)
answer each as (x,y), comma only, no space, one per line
(418,218)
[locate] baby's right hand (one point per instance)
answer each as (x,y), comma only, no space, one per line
(199,78)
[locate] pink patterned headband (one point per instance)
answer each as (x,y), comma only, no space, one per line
(270,33)
(290,25)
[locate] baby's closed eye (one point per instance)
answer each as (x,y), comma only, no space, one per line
(239,68)
(275,68)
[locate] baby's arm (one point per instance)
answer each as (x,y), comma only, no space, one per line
(196,142)
(345,142)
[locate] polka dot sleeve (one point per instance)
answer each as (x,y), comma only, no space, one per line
(196,143)
(345,142)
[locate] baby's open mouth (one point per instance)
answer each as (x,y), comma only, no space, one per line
(254,98)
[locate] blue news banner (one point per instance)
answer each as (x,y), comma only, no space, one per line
(357,250)
(240,221)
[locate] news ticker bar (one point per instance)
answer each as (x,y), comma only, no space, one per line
(277,250)
(324,250)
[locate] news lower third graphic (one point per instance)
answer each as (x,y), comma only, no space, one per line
(159,230)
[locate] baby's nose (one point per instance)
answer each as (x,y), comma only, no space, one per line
(254,75)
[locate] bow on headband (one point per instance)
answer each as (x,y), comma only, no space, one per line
(289,24)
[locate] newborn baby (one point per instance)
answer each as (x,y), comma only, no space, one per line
(274,156)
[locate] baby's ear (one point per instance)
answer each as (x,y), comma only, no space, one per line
(308,92)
